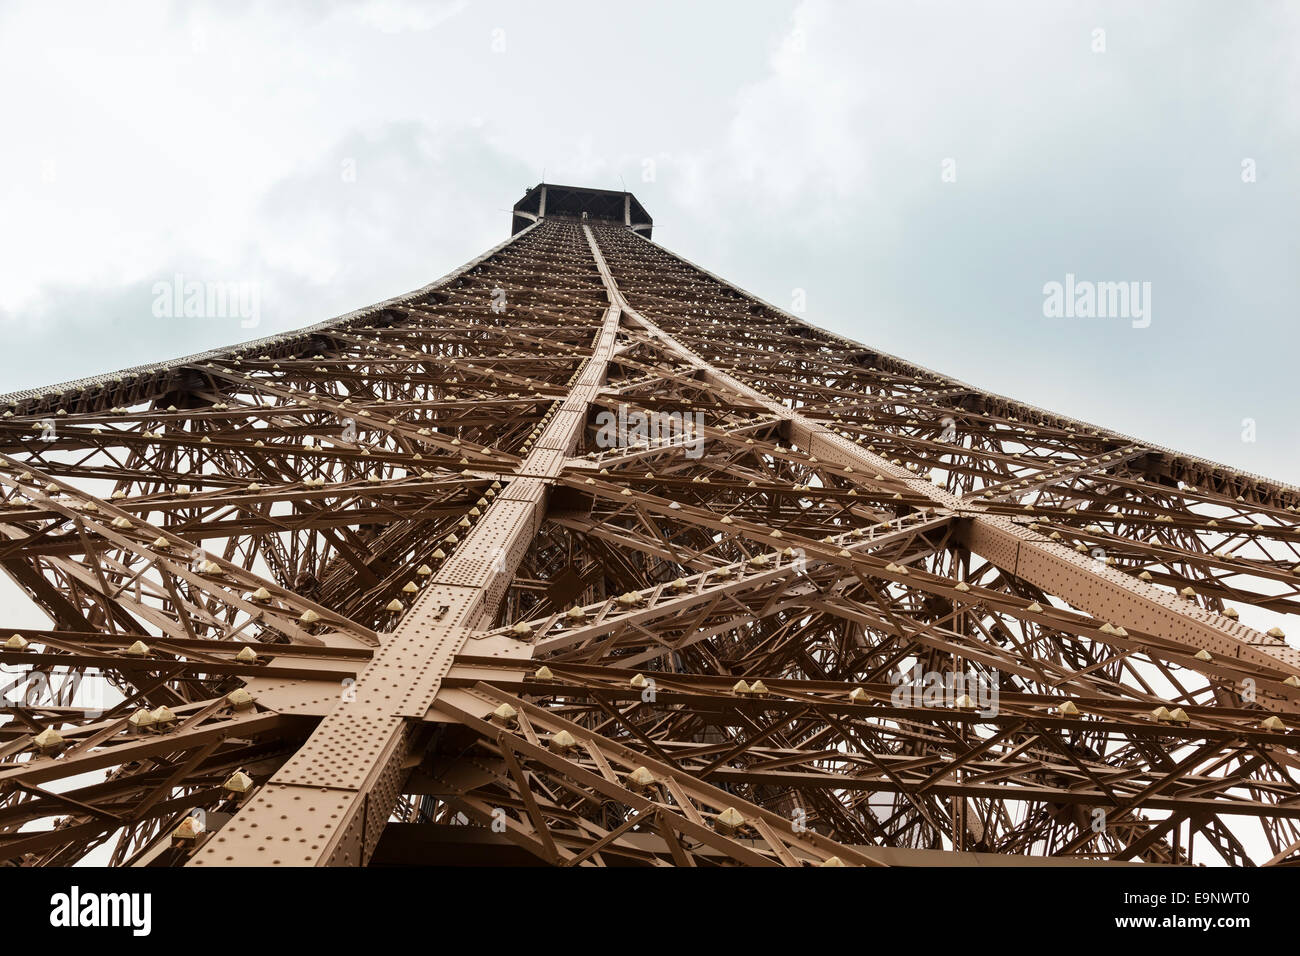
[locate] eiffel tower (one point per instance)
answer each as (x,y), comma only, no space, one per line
(581,555)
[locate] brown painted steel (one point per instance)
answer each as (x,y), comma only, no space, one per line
(397,589)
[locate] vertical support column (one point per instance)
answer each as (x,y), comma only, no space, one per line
(329,803)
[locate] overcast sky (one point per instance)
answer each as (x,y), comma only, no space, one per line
(921,171)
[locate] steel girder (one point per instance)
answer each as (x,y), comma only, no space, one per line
(392,571)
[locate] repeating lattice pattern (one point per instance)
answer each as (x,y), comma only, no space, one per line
(386,591)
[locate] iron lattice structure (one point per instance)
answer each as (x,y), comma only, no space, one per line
(377,592)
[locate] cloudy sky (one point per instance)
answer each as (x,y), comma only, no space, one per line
(921,171)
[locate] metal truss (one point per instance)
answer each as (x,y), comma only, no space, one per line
(383,591)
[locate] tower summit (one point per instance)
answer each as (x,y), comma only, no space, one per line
(577,202)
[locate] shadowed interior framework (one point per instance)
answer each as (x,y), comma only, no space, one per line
(381,591)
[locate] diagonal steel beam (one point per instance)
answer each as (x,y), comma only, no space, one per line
(1101,591)
(344,781)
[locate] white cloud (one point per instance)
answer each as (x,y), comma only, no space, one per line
(396,16)
(797,146)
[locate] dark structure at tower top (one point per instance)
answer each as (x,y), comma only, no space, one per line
(608,205)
